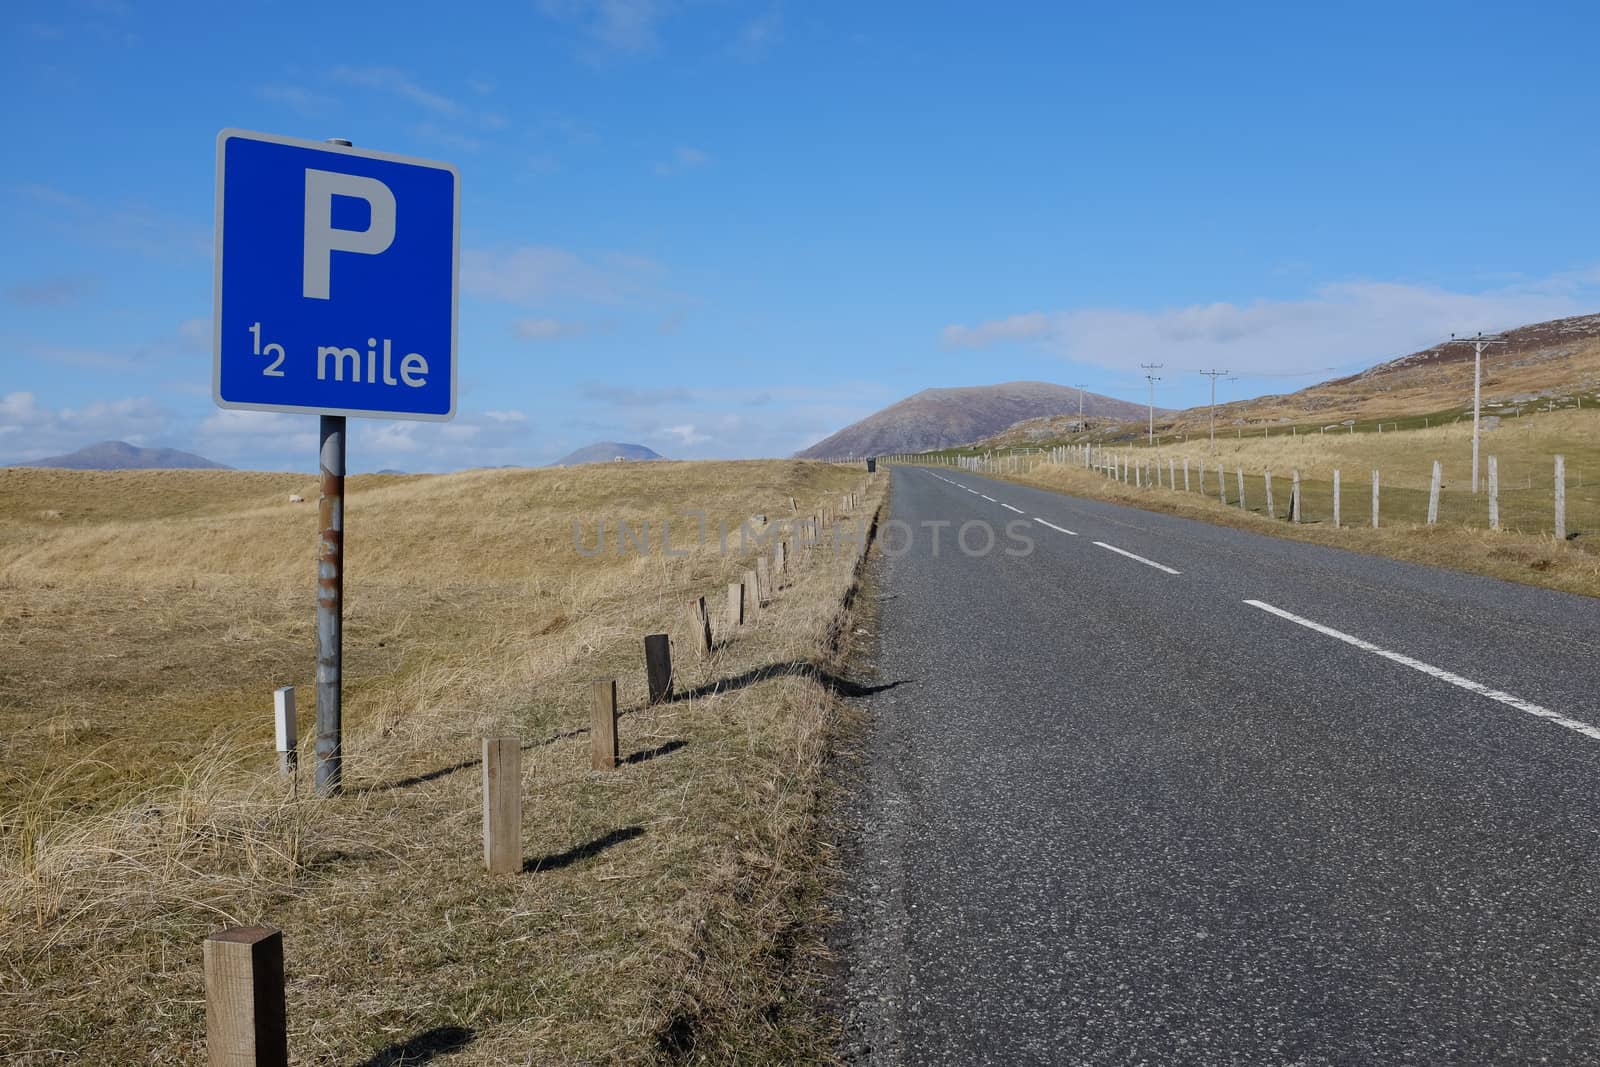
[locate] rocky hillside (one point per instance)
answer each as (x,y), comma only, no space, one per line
(940,418)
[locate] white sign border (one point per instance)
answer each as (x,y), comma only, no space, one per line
(216,280)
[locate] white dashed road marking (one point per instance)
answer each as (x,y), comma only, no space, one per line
(1468,684)
(1141,559)
(989,498)
(1053,526)
(1008,507)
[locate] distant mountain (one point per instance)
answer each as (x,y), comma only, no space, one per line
(941,418)
(121,456)
(606,452)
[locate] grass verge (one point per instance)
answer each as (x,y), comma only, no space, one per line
(666,910)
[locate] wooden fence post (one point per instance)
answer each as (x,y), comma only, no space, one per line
(658,667)
(763,581)
(779,563)
(1561,498)
(1336,498)
(751,594)
(1201,465)
(284,729)
(1172,473)
(1494,493)
(1271,513)
(1433,492)
(1241,489)
(1222,483)
(603,724)
(1185,474)
(1294,497)
(502,804)
(735,604)
(700,624)
(1374,498)
(245,1017)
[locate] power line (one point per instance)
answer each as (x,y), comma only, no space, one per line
(1214,375)
(1152,379)
(1478,343)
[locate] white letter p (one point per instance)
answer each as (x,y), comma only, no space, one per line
(322,240)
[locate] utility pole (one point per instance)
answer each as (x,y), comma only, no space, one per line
(1080,407)
(1152,379)
(1214,375)
(1478,343)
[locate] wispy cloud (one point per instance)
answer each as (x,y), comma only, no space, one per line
(757,37)
(535,274)
(1340,325)
(616,25)
(397,83)
(630,396)
(296,98)
(126,226)
(548,329)
(683,158)
(51,292)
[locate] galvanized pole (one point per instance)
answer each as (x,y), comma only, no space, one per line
(1213,375)
(330,608)
(1152,379)
(1479,343)
(330,600)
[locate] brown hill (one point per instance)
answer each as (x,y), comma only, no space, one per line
(1541,363)
(941,418)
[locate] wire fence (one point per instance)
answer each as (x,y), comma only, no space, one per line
(1520,495)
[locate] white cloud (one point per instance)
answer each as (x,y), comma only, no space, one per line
(685,434)
(1340,325)
(515,417)
(547,329)
(683,158)
(533,274)
(297,98)
(30,431)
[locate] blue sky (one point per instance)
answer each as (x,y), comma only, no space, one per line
(727,229)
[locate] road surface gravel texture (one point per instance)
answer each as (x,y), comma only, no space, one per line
(1160,792)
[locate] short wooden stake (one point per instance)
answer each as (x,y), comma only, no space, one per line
(1241,489)
(1271,511)
(1336,498)
(780,563)
(1172,473)
(700,624)
(751,594)
(603,724)
(1374,498)
(1294,498)
(658,667)
(502,804)
(245,1017)
(285,733)
(735,604)
(763,581)
(1561,498)
(1494,493)
(1222,484)
(1433,492)
(1185,474)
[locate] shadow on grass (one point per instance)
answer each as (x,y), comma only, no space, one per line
(426,1046)
(558,860)
(435,775)
(652,753)
(840,686)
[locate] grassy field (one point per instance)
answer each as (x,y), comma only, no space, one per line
(1525,548)
(666,910)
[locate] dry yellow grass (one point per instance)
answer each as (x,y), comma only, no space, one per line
(1524,550)
(667,914)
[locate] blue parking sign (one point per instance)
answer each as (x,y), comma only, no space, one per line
(336,278)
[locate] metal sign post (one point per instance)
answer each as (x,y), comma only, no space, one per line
(335,294)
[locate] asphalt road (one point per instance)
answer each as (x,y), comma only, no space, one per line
(1238,800)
